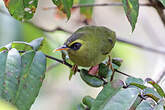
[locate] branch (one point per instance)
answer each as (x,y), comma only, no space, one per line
(70,66)
(100,5)
(159,8)
(156,50)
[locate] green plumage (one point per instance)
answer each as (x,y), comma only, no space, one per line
(96,44)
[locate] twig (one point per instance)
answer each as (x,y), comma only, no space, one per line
(156,50)
(159,8)
(123,73)
(70,66)
(60,61)
(102,4)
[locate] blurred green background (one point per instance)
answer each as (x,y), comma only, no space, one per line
(57,92)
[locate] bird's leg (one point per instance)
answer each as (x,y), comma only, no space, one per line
(73,70)
(111,67)
(94,70)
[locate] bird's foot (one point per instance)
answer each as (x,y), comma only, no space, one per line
(73,71)
(111,67)
(94,70)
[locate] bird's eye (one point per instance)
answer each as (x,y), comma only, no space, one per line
(75,46)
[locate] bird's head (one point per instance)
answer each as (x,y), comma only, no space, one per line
(75,45)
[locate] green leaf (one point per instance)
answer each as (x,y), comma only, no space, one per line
(131,8)
(88,101)
(3,48)
(37,43)
(10,73)
(136,82)
(144,105)
(156,86)
(86,11)
(116,100)
(89,79)
(117,61)
(163,2)
(65,6)
(22,9)
(103,70)
(21,46)
(3,57)
(102,100)
(32,75)
(149,90)
(10,29)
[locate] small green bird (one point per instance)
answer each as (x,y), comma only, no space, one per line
(89,45)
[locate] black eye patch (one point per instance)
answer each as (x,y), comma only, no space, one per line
(75,46)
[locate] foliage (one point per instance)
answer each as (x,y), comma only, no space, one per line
(131,8)
(24,10)
(22,73)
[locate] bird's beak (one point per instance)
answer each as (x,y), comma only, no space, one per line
(64,47)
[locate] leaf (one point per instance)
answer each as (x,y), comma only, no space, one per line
(117,100)
(88,101)
(105,96)
(32,75)
(103,70)
(19,45)
(21,9)
(6,47)
(89,79)
(123,100)
(86,11)
(10,73)
(149,90)
(117,61)
(156,86)
(10,29)
(3,57)
(65,6)
(163,2)
(144,105)
(3,48)
(135,82)
(131,8)
(36,43)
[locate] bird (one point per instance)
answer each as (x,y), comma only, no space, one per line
(89,45)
